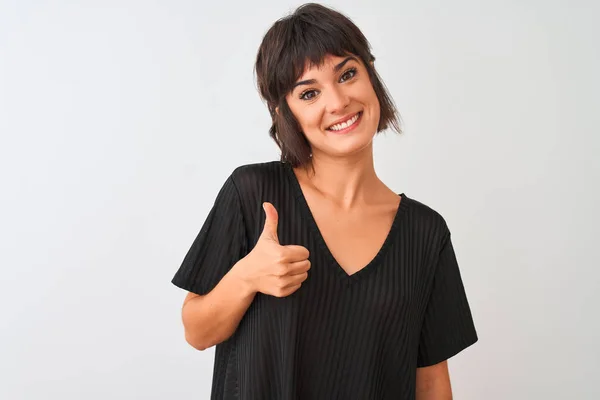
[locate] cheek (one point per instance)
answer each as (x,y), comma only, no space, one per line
(309,119)
(370,94)
(373,101)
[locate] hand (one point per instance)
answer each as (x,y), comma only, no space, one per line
(271,268)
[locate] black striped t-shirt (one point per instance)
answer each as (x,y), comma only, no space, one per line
(339,336)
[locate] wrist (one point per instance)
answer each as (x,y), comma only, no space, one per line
(239,274)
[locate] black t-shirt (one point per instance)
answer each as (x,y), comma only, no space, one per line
(339,336)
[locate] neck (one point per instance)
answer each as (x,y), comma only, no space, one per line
(349,181)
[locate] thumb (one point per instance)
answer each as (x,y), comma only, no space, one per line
(271,220)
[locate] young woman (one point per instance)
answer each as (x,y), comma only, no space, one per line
(312,277)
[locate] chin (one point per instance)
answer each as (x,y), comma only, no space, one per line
(360,143)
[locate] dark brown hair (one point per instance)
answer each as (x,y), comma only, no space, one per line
(308,35)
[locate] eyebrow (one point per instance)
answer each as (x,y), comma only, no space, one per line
(335,69)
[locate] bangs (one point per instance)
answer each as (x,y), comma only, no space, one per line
(305,42)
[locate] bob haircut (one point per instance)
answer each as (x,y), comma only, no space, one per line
(305,38)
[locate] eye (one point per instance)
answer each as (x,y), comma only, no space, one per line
(310,94)
(349,74)
(306,94)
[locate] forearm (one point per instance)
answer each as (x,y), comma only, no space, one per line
(433,382)
(211,319)
(435,393)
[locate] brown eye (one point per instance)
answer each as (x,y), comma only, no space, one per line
(349,74)
(306,95)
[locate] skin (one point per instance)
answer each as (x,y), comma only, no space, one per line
(344,168)
(345,194)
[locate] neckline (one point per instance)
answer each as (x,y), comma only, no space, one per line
(332,261)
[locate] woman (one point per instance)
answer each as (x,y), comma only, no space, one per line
(341,288)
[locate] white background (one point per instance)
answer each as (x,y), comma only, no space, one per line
(120,120)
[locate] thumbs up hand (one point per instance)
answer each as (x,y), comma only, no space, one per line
(271,268)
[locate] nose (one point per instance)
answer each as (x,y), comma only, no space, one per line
(337,100)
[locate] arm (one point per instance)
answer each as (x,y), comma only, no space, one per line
(269,268)
(212,318)
(433,382)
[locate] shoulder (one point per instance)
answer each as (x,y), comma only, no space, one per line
(426,220)
(252,177)
(258,171)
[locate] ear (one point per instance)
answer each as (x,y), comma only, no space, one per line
(277,110)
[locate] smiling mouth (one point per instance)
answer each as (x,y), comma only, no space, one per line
(346,124)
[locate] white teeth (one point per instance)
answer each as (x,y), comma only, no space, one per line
(344,125)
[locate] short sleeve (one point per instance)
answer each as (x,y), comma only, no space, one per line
(448,326)
(220,243)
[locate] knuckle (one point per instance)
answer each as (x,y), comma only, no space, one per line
(280,256)
(281,283)
(281,271)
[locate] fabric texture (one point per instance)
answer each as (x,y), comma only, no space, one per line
(339,336)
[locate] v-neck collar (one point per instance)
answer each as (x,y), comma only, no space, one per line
(309,217)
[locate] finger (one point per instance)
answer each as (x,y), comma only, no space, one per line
(271,222)
(296,280)
(295,253)
(288,290)
(299,267)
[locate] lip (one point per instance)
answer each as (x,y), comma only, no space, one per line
(346,118)
(351,127)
